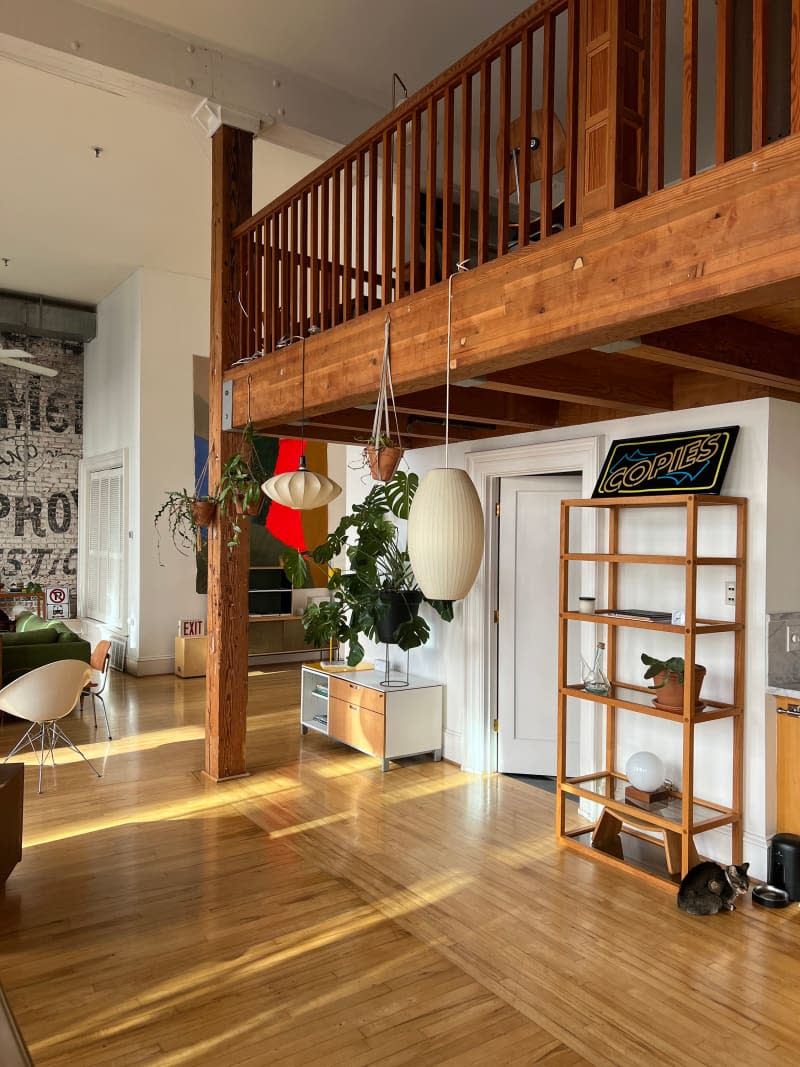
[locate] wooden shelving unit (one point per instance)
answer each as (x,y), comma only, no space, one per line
(678,821)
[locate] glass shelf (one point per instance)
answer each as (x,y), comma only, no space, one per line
(609,789)
(701,626)
(639,698)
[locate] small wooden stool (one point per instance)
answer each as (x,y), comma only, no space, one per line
(606,838)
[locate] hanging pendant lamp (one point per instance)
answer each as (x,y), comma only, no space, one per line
(445,524)
(302,490)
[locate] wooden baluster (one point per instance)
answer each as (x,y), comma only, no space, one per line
(724,119)
(760,62)
(347,257)
(465,177)
(573,112)
(400,208)
(303,252)
(337,298)
(257,314)
(294,312)
(372,248)
(325,256)
(503,150)
(242,260)
(286,286)
(524,152)
(689,138)
(416,160)
(795,67)
(360,190)
(447,182)
(484,157)
(388,222)
(267,297)
(658,57)
(313,318)
(430,195)
(548,106)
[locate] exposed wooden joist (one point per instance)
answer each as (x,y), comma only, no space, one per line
(728,346)
(430,426)
(593,378)
(473,405)
(711,246)
(338,435)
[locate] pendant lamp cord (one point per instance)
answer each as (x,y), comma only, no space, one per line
(461,268)
(386,393)
(303,399)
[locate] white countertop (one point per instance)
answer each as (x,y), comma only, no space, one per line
(775,691)
(373,679)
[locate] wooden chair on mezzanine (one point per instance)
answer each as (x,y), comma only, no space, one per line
(535,170)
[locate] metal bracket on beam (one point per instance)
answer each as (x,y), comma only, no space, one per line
(227,405)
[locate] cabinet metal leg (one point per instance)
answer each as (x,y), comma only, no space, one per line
(437,755)
(384,764)
(303,729)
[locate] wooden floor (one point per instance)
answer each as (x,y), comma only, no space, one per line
(319,912)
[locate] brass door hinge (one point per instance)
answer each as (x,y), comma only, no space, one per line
(495,726)
(497,614)
(497,508)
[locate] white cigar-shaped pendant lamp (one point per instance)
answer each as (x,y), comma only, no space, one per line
(445,524)
(302,490)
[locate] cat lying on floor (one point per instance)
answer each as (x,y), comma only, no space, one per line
(709,888)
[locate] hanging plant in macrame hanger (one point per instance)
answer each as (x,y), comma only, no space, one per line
(384,450)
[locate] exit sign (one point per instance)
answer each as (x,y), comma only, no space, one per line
(191,628)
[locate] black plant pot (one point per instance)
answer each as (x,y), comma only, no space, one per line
(400,607)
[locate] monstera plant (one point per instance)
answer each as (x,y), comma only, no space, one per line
(377,596)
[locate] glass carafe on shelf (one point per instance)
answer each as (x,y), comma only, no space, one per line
(594,677)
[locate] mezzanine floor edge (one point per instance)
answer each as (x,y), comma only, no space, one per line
(319,912)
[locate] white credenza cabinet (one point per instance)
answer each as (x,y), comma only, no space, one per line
(357,710)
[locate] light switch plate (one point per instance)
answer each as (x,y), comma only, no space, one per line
(793,638)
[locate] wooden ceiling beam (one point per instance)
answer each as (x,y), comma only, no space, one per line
(712,245)
(728,346)
(596,379)
(473,405)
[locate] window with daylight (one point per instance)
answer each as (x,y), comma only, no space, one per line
(105,547)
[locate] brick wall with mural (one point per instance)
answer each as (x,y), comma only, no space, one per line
(41,435)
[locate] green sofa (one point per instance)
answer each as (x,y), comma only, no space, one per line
(37,641)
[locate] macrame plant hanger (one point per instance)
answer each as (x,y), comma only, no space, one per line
(384,455)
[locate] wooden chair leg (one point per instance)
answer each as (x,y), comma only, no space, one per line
(606,834)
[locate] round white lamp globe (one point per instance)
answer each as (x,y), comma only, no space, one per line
(645,771)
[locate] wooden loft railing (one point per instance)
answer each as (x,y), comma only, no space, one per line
(585,83)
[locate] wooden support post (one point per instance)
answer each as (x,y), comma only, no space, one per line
(226,679)
(613,104)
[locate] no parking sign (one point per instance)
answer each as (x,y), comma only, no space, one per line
(57,600)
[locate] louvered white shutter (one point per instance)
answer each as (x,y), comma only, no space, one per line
(106,548)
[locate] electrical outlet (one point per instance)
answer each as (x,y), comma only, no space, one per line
(730,592)
(793,638)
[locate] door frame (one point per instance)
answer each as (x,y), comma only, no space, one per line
(576,456)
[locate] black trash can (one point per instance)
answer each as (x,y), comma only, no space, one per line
(784,864)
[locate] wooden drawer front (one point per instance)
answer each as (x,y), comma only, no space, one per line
(360,695)
(356,726)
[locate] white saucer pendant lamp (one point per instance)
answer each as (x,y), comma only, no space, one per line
(302,489)
(445,534)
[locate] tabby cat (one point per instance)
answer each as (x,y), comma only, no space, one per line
(709,887)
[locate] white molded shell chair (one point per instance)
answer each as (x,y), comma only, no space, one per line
(43,697)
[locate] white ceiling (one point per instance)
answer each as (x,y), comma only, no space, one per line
(353,45)
(74,227)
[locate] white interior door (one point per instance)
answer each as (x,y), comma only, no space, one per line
(527,653)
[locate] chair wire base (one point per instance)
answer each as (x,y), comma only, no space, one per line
(48,734)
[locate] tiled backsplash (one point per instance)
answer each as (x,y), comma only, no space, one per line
(783,668)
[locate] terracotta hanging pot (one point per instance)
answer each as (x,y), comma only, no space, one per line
(669,696)
(383,461)
(203,512)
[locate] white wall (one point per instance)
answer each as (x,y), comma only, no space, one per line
(761,465)
(111,409)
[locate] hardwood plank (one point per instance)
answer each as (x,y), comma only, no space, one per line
(715,245)
(226,701)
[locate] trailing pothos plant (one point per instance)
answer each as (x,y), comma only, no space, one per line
(239,491)
(378,566)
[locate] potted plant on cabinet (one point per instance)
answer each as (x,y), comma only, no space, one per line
(378,596)
(668,679)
